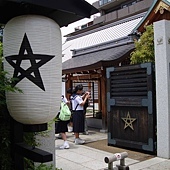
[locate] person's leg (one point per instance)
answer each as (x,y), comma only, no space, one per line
(76,135)
(59,136)
(85,126)
(64,137)
(78,141)
(70,126)
(78,126)
(63,130)
(65,145)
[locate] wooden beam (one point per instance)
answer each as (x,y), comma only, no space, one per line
(35,128)
(32,153)
(86,77)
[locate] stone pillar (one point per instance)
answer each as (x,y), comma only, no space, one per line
(162,68)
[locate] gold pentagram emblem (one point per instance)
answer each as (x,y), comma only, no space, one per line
(128,121)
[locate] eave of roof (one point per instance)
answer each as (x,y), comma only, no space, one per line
(63,12)
(149,15)
(97,59)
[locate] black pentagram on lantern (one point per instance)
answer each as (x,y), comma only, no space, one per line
(36,60)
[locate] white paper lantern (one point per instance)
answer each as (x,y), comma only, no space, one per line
(32,50)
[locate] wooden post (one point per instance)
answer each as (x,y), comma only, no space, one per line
(103,99)
(99,95)
(68,84)
(16,137)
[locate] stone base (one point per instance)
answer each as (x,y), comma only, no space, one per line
(103,130)
(94,122)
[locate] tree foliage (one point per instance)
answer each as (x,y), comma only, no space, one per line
(144,47)
(5,158)
(5,144)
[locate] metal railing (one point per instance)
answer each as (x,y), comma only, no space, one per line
(116,157)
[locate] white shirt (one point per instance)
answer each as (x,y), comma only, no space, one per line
(64,99)
(76,101)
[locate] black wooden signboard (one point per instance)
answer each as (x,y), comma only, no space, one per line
(131,107)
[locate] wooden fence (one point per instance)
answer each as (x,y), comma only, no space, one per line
(131,107)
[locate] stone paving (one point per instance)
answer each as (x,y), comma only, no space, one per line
(83,157)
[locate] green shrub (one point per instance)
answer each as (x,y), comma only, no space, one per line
(144,47)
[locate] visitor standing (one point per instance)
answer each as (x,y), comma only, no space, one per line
(61,127)
(78,112)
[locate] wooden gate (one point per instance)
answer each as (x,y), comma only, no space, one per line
(131,107)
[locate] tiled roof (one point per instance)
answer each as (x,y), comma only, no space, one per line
(89,59)
(110,32)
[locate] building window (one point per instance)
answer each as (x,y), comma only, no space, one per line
(102,2)
(130,3)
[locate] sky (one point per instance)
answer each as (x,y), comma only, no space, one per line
(70,27)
